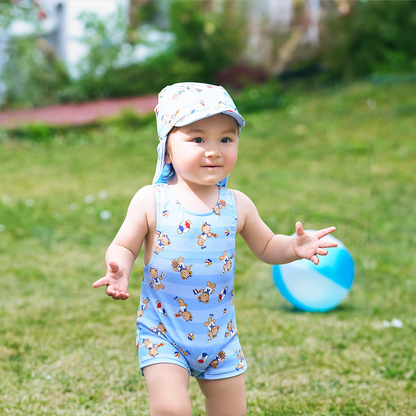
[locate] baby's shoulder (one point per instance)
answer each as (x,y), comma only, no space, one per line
(244,204)
(146,192)
(240,197)
(144,198)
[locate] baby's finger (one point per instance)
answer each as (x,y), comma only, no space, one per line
(321,252)
(325,231)
(121,296)
(113,267)
(327,244)
(299,228)
(315,260)
(115,294)
(110,290)
(100,282)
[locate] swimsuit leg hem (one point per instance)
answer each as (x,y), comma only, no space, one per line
(164,361)
(224,375)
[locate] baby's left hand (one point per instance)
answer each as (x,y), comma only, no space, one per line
(309,245)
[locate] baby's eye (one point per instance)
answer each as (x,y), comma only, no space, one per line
(225,140)
(197,140)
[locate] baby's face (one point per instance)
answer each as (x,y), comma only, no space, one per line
(204,152)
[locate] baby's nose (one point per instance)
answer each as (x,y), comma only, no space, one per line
(212,152)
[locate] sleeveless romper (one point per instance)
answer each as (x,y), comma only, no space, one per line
(186,315)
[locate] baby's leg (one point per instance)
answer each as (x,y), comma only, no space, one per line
(224,397)
(167,385)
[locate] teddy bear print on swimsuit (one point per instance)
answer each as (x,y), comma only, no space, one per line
(231,330)
(159,330)
(219,358)
(143,307)
(183,311)
(179,266)
(241,359)
(156,281)
(221,204)
(227,263)
(206,233)
(162,241)
(153,348)
(212,328)
(205,293)
(186,353)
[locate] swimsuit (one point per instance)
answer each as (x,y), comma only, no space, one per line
(186,316)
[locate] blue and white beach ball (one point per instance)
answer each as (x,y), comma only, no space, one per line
(317,288)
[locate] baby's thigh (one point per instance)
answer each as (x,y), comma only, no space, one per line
(224,397)
(167,385)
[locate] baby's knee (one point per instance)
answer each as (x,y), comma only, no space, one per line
(171,408)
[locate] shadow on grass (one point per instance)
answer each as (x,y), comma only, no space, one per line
(337,310)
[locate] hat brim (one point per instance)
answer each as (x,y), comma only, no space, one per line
(209,112)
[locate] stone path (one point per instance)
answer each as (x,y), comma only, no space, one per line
(77,113)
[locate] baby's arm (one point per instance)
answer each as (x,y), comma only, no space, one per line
(127,244)
(276,248)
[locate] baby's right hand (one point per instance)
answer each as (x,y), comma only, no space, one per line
(116,281)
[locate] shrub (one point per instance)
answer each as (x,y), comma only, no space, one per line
(374,37)
(36,132)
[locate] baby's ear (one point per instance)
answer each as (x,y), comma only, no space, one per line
(167,147)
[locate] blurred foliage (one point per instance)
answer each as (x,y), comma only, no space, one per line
(214,39)
(104,38)
(32,73)
(129,119)
(202,42)
(374,37)
(13,10)
(37,132)
(259,97)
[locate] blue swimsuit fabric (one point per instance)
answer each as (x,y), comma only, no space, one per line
(186,315)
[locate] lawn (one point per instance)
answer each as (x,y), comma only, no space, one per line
(343,156)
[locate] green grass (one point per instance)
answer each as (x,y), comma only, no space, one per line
(325,159)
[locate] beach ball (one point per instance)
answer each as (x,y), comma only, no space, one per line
(317,288)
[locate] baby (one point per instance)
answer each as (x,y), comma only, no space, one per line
(199,128)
